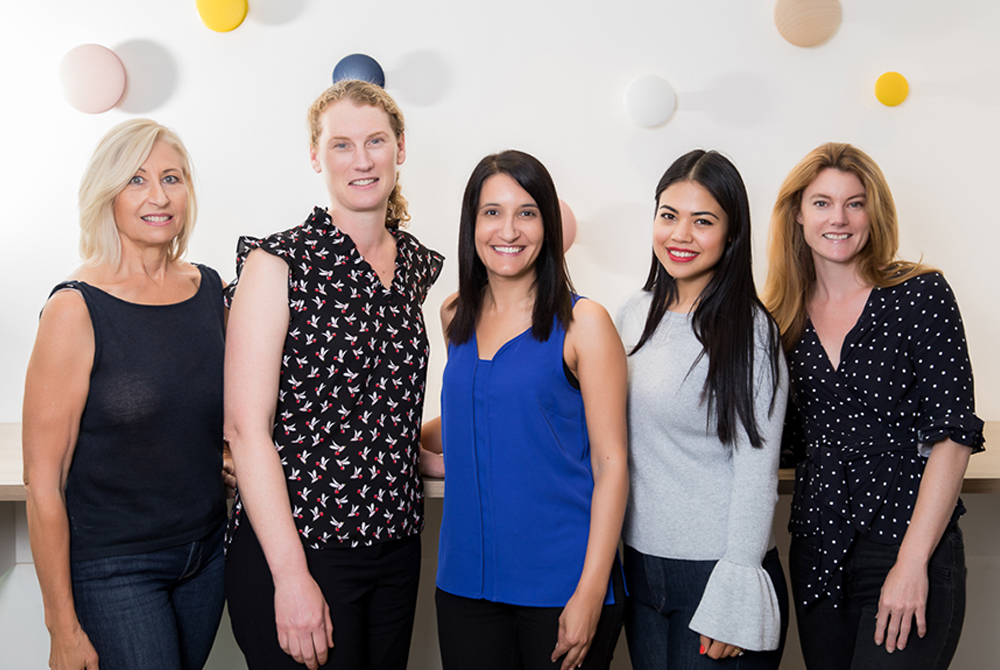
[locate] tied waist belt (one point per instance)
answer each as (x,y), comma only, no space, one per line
(839,491)
(848,453)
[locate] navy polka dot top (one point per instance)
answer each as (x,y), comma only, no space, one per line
(904,383)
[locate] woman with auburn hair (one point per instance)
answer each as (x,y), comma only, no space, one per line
(707,393)
(533,428)
(122,432)
(882,420)
(326,362)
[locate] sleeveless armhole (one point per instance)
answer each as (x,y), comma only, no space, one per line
(570,377)
(81,288)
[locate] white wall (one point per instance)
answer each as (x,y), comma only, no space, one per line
(547,77)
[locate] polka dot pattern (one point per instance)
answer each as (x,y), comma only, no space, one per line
(904,382)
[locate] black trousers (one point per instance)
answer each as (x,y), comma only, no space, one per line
(371,591)
(486,635)
(843,638)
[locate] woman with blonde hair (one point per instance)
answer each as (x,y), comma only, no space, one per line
(326,362)
(882,417)
(122,430)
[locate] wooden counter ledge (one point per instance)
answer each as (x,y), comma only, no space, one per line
(983,475)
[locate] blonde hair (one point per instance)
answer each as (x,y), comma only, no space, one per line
(791,273)
(363,93)
(119,155)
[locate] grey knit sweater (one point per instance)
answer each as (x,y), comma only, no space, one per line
(691,497)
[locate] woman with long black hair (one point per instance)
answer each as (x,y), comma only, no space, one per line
(707,394)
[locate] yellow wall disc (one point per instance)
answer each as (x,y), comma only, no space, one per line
(222,15)
(891,89)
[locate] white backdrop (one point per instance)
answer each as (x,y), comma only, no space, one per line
(547,77)
(544,76)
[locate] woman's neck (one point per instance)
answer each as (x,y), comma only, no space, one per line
(837,282)
(688,295)
(366,229)
(506,295)
(153,263)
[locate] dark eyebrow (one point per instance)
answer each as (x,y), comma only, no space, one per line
(497,204)
(711,214)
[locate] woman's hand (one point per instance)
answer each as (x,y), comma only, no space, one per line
(305,629)
(903,598)
(715,649)
(577,625)
(72,650)
(431,457)
(228,471)
(431,463)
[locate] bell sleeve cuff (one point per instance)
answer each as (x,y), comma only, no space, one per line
(739,607)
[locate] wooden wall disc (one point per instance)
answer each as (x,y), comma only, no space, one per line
(807,23)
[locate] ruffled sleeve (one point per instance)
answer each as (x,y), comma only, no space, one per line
(292,245)
(739,605)
(944,372)
(422,266)
(243,249)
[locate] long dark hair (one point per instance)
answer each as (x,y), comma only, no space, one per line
(553,289)
(723,320)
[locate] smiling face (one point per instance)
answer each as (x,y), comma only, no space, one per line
(833,217)
(509,230)
(689,235)
(149,211)
(357,153)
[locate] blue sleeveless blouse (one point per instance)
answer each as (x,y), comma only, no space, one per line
(518,480)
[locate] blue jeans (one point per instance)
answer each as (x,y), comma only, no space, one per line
(843,638)
(156,611)
(663,596)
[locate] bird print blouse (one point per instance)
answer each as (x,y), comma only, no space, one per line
(904,383)
(351,394)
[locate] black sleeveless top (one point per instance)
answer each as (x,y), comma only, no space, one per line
(146,472)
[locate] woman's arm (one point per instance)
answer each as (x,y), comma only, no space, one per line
(431,449)
(904,593)
(739,608)
(258,325)
(431,453)
(595,355)
(55,393)
(945,383)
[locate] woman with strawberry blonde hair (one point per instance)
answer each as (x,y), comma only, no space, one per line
(881,419)
(326,362)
